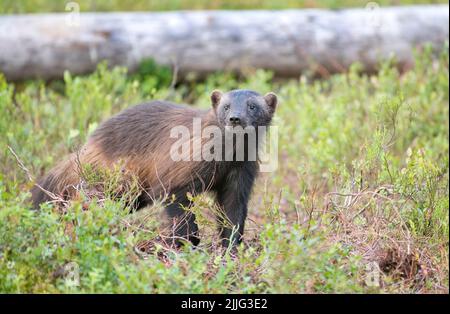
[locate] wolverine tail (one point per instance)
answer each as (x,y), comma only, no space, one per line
(58,184)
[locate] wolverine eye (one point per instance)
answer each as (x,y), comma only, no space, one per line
(252,106)
(227,107)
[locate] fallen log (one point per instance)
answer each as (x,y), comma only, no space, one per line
(287,42)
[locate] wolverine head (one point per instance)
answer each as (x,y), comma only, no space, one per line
(243,108)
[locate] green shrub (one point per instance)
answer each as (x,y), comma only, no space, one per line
(362,178)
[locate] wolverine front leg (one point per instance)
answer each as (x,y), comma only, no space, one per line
(181,223)
(233,196)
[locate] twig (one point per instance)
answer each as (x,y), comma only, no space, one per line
(174,79)
(21,165)
(53,196)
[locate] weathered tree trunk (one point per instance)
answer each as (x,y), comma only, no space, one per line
(287,42)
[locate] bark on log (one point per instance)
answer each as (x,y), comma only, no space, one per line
(287,42)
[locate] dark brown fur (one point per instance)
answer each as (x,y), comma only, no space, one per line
(139,136)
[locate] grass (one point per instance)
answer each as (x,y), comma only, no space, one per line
(359,202)
(39,6)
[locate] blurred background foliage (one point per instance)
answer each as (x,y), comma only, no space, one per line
(42,6)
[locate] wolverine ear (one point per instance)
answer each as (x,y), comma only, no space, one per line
(215,98)
(271,100)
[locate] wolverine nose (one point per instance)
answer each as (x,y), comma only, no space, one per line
(235,120)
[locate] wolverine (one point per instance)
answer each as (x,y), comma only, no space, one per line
(140,137)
